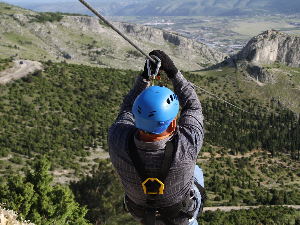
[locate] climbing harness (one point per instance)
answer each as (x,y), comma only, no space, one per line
(154,186)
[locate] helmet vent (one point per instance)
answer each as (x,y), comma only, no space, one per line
(171,97)
(152,113)
(168,101)
(139,110)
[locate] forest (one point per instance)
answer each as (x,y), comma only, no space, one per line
(59,115)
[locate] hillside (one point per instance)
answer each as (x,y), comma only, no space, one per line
(85,40)
(64,113)
(174,7)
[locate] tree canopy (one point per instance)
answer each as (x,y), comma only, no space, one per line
(35,199)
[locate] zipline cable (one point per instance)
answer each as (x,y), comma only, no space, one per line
(140,50)
(223,100)
(115,29)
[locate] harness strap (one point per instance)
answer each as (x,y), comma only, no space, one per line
(168,159)
(203,196)
(152,186)
(136,161)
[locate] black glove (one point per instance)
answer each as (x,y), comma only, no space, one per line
(145,72)
(166,63)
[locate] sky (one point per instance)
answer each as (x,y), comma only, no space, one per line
(53,5)
(38,1)
(52,1)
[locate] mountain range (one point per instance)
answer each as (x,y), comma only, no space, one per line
(171,7)
(86,40)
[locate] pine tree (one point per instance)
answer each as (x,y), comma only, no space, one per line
(285,199)
(95,130)
(102,192)
(36,200)
(228,183)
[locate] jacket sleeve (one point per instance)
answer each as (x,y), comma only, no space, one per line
(124,126)
(125,115)
(191,118)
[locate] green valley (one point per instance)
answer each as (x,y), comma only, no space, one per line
(64,113)
(54,160)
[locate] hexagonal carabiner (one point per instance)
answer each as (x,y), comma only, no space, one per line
(152,186)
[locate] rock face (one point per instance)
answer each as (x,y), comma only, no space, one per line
(267,48)
(182,49)
(272,46)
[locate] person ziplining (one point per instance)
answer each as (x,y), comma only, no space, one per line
(155,159)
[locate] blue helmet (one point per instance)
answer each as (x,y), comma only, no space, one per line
(154,109)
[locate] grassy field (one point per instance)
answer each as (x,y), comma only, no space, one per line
(249,28)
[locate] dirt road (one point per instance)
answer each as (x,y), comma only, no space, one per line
(19,70)
(229,208)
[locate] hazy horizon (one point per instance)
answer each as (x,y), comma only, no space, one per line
(55,1)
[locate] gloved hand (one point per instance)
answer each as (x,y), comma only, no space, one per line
(166,63)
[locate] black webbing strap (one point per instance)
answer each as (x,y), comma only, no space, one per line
(136,161)
(168,159)
(203,197)
(166,165)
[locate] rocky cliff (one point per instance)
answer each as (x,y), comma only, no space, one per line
(267,48)
(84,39)
(185,51)
(272,46)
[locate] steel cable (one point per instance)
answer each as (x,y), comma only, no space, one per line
(223,100)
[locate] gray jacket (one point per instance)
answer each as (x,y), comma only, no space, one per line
(188,138)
